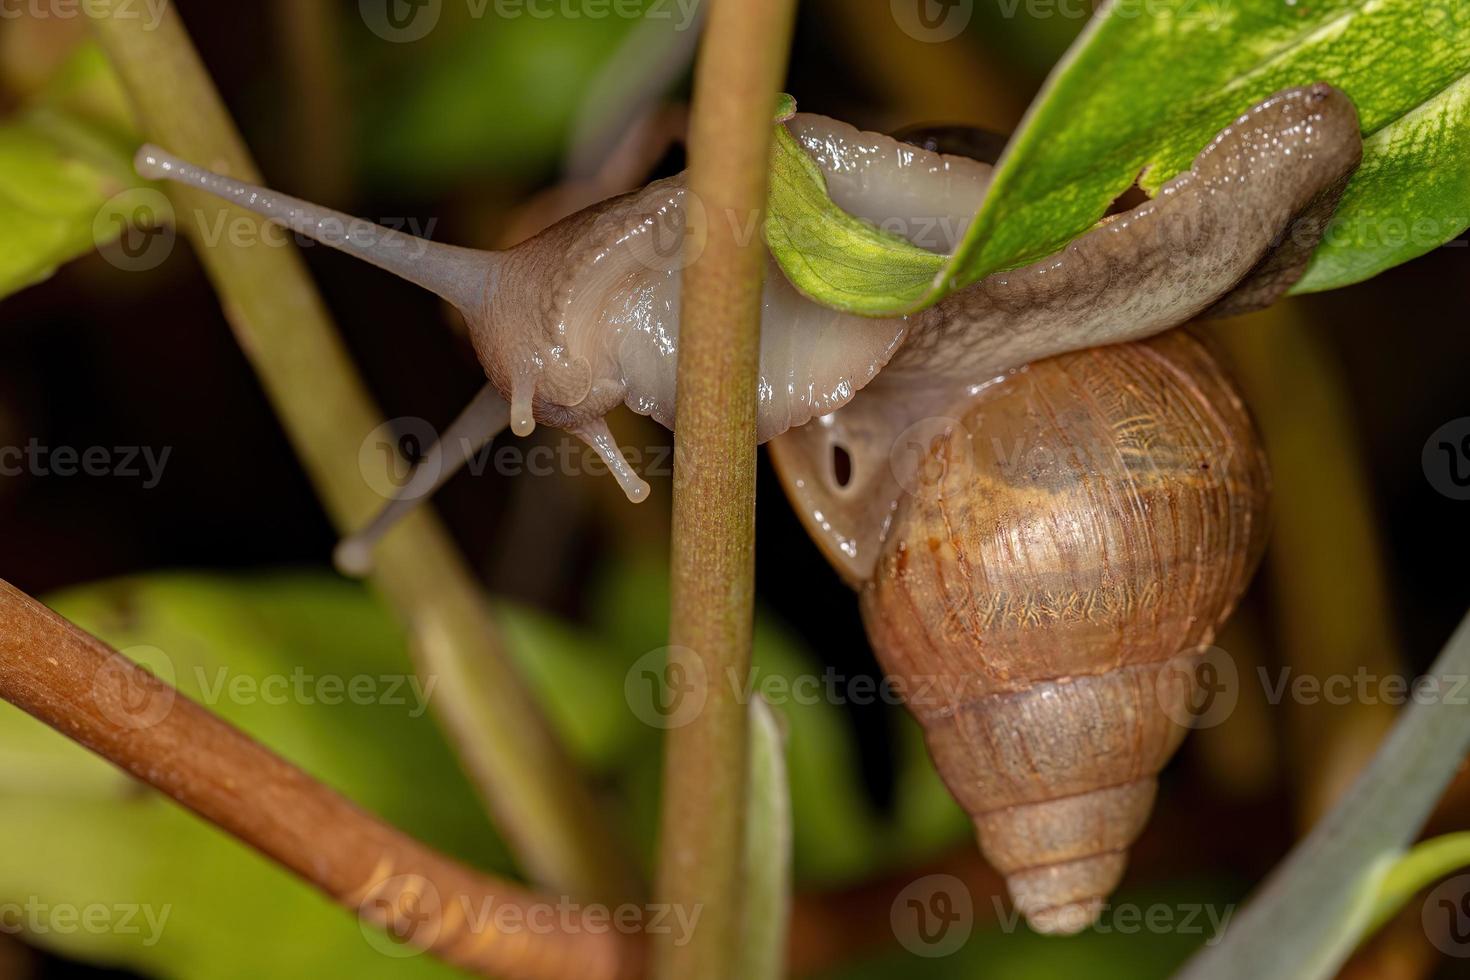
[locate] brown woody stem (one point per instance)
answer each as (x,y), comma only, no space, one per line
(740,69)
(82,688)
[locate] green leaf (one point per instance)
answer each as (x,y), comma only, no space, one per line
(65,164)
(766,895)
(484,97)
(1145,88)
(842,261)
(96,839)
(1411,195)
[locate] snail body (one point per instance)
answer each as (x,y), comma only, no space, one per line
(583,317)
(1046,598)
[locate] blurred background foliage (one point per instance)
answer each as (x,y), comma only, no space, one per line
(492,127)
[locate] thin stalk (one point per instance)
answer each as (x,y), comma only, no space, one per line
(1332,613)
(317,109)
(82,688)
(1426,863)
(531,787)
(739,72)
(1312,911)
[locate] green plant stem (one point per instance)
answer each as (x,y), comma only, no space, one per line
(525,776)
(1427,862)
(318,114)
(1316,906)
(739,72)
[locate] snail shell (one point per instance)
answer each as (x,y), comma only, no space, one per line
(1044,531)
(1082,529)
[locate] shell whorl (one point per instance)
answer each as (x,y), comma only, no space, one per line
(1094,519)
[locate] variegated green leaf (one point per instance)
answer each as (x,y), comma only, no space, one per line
(1142,90)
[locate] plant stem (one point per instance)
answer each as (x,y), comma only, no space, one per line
(1332,610)
(1421,867)
(1317,904)
(82,688)
(318,113)
(506,744)
(740,69)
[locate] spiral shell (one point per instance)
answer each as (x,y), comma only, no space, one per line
(1086,526)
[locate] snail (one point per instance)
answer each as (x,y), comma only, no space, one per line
(1046,590)
(1082,528)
